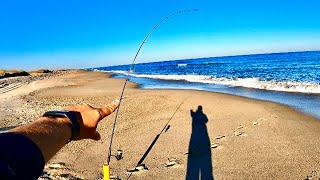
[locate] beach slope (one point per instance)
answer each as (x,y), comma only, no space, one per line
(212,134)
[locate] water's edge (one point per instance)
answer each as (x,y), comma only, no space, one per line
(308,104)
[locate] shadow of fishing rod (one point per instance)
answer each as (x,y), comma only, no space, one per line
(164,129)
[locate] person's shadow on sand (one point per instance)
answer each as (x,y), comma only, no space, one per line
(199,156)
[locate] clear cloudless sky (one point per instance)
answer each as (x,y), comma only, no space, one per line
(80,33)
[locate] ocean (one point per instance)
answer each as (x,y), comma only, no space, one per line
(291,79)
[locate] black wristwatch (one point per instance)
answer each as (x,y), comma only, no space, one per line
(71,115)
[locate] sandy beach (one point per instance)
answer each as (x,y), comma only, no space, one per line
(242,138)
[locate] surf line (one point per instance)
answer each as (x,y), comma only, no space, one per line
(106,166)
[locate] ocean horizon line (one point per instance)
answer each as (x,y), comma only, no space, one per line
(222,56)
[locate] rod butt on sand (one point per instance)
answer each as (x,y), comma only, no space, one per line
(106,172)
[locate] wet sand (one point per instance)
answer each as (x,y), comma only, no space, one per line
(250,139)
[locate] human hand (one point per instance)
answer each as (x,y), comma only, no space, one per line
(89,117)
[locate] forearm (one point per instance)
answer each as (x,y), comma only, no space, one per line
(49,134)
(39,141)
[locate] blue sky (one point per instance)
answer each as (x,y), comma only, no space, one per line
(78,34)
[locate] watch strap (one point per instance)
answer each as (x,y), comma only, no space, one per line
(71,115)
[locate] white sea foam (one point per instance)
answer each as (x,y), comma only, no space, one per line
(255,83)
(190,78)
(289,86)
(180,65)
(117,72)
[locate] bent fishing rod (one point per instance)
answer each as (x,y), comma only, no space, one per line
(106,168)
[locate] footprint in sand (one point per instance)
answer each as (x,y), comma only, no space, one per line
(255,123)
(239,133)
(274,116)
(259,121)
(240,127)
(262,119)
(220,137)
(215,145)
(313,175)
(171,162)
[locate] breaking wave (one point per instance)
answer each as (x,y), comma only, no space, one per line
(181,65)
(255,83)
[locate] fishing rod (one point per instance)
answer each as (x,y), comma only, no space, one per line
(106,167)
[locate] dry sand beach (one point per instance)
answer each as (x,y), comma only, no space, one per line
(243,138)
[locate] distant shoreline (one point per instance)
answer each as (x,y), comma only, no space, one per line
(18,73)
(16,79)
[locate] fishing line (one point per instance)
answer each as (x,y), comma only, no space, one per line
(130,71)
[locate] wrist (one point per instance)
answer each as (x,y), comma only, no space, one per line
(63,123)
(71,116)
